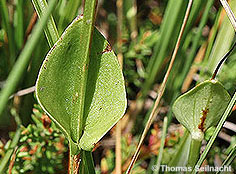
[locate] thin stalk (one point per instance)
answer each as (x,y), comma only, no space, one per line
(161,150)
(23,92)
(50,30)
(88,21)
(194,152)
(8,28)
(22,61)
(162,88)
(86,40)
(217,130)
(229,13)
(119,5)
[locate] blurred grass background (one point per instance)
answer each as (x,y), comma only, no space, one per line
(149,31)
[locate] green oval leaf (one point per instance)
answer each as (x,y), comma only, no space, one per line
(201,107)
(59,88)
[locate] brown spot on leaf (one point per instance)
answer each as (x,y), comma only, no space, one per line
(203,119)
(107,49)
(75,97)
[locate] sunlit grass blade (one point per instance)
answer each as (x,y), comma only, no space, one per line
(223,41)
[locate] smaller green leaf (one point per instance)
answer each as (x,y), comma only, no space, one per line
(201,107)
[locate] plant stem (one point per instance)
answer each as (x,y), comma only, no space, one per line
(87,163)
(194,152)
(217,130)
(161,90)
(74,163)
(51,29)
(86,40)
(23,59)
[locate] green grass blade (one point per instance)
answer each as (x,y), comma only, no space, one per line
(51,29)
(161,150)
(23,59)
(8,29)
(196,43)
(217,130)
(169,24)
(19,25)
(223,41)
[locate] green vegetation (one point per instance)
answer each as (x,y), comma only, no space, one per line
(62,89)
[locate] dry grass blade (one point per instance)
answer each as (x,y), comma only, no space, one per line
(23,92)
(162,88)
(119,4)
